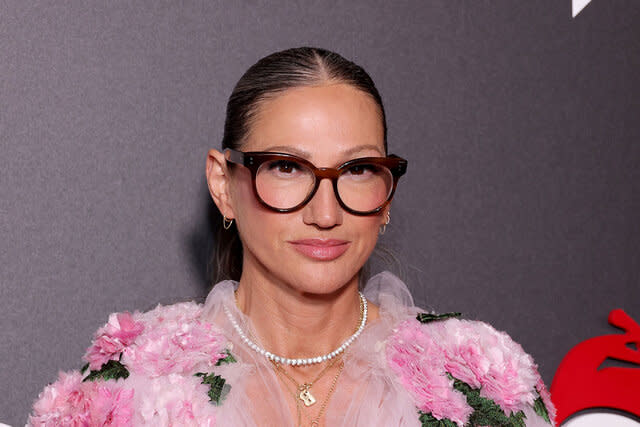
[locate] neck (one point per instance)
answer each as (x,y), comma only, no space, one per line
(296,324)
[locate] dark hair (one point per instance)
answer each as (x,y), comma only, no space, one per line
(273,74)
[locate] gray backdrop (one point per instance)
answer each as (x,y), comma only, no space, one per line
(521,126)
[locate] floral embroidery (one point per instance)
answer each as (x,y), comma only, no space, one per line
(227,359)
(418,360)
(464,372)
(542,405)
(431,317)
(485,411)
(218,390)
(72,402)
(154,354)
(112,370)
(109,341)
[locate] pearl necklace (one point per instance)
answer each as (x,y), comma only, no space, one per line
(302,361)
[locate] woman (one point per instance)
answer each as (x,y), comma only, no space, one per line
(304,185)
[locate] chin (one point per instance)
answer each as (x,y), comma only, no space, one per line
(322,278)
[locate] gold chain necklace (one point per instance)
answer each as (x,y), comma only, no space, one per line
(315,422)
(304,389)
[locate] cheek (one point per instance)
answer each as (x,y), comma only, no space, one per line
(367,229)
(242,199)
(256,224)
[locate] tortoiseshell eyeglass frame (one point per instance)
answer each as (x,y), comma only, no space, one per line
(254,159)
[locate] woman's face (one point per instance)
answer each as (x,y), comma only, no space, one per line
(321,247)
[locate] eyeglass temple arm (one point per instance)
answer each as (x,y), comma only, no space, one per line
(234,156)
(401,168)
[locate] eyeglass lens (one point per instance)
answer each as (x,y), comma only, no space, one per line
(284,184)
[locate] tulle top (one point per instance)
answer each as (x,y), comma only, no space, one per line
(398,372)
(367,393)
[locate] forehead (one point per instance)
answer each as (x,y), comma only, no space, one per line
(325,123)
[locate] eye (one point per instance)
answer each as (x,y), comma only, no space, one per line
(284,166)
(361,169)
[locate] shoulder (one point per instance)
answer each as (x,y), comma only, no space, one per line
(140,359)
(167,339)
(170,339)
(465,371)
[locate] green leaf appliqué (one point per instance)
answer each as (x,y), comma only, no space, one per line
(429,420)
(428,317)
(486,411)
(540,408)
(218,390)
(112,370)
(227,359)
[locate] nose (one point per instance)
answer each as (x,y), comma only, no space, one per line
(323,210)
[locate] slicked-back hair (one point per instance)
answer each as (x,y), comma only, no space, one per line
(266,79)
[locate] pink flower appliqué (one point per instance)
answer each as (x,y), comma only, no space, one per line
(418,360)
(473,352)
(174,340)
(489,360)
(172,400)
(71,402)
(109,341)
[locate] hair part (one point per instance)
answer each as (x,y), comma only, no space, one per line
(270,76)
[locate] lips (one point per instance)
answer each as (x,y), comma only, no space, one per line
(321,249)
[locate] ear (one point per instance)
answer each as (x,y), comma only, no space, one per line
(219,181)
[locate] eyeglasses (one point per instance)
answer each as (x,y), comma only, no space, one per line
(285,183)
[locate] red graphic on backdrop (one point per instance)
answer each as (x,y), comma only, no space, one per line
(581,382)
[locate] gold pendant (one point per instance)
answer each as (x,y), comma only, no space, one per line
(306,396)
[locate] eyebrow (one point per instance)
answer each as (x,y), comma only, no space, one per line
(306,155)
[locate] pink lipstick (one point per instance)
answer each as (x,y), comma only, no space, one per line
(321,249)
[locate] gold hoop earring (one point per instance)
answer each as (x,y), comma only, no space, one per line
(383,227)
(226,223)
